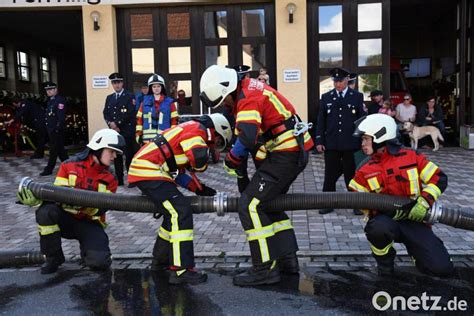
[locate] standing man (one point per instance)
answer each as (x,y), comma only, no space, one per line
(32,115)
(338,110)
(55,125)
(262,111)
(119,116)
(352,81)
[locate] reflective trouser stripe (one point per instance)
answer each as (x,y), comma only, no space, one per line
(182,235)
(262,241)
(381,252)
(48,230)
(174,229)
(268,231)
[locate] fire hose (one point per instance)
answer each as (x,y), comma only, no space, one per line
(221,204)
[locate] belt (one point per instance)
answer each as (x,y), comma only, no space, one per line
(280,128)
(167,152)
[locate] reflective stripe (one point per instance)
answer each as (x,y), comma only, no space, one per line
(262,242)
(181,159)
(141,163)
(428,171)
(59,181)
(48,230)
(174,114)
(433,190)
(72,178)
(174,228)
(261,153)
(145,173)
(374,184)
(139,128)
(145,150)
(414,184)
(381,252)
(188,144)
(164,234)
(251,115)
(171,133)
(268,231)
(277,104)
(357,187)
(178,236)
(102,188)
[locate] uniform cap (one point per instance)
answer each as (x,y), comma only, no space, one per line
(338,74)
(116,77)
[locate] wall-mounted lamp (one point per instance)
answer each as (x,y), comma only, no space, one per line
(291,8)
(95,17)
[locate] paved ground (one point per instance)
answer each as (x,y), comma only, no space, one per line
(333,234)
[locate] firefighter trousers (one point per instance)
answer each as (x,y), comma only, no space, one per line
(54,223)
(174,243)
(428,251)
(270,234)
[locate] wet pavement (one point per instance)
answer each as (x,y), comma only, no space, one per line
(141,292)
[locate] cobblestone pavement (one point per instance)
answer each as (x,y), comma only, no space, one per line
(339,233)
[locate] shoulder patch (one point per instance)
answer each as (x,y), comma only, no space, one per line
(61,106)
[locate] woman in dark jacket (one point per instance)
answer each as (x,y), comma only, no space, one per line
(431,114)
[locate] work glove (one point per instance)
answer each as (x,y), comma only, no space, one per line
(231,165)
(26,197)
(419,210)
(205,191)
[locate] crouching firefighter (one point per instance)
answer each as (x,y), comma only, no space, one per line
(392,169)
(86,171)
(157,168)
(261,111)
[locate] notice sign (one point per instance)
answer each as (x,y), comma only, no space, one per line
(291,75)
(100,82)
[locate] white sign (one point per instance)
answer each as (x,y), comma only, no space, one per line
(291,75)
(100,82)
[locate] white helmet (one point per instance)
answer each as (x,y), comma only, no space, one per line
(381,127)
(222,127)
(107,138)
(217,83)
(156,79)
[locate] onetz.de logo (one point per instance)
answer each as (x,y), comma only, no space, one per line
(56,1)
(383,301)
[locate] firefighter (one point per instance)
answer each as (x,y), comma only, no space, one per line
(261,111)
(392,169)
(157,168)
(32,115)
(55,126)
(87,171)
(157,111)
(119,115)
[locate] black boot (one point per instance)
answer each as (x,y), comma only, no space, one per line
(266,273)
(326,211)
(288,264)
(186,276)
(52,263)
(46,172)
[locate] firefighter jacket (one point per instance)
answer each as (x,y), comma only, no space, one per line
(56,114)
(188,143)
(86,175)
(401,174)
(263,113)
(155,116)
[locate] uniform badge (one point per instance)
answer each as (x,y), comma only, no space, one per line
(60,106)
(329,111)
(353,111)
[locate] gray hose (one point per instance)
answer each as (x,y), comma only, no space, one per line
(15,258)
(221,204)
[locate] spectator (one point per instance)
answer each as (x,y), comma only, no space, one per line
(431,114)
(376,103)
(264,78)
(264,72)
(387,108)
(406,111)
(352,81)
(140,95)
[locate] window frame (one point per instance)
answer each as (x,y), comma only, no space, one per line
(4,61)
(41,70)
(19,66)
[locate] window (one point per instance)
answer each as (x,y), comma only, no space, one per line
(23,63)
(3,69)
(45,68)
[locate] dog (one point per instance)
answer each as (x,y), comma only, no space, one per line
(418,132)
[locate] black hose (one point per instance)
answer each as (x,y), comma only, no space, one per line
(287,202)
(459,218)
(15,258)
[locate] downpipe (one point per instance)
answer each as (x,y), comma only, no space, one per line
(221,203)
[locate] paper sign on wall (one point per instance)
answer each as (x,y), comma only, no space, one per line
(100,82)
(291,75)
